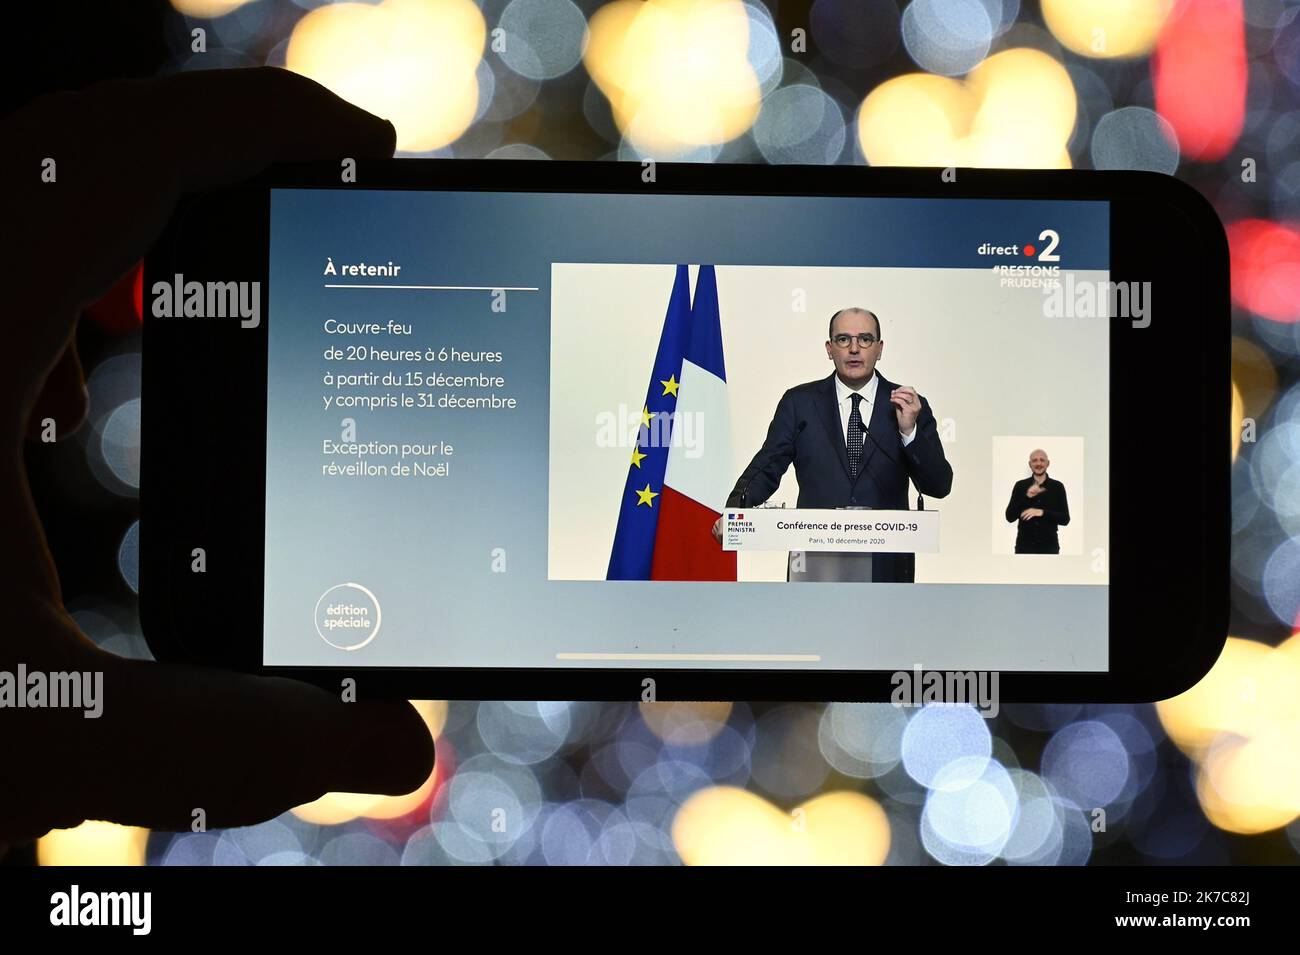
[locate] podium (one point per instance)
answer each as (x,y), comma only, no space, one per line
(831,544)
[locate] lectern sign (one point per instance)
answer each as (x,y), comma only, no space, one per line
(846,531)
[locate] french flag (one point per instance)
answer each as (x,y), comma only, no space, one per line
(700,467)
(681,468)
(632,555)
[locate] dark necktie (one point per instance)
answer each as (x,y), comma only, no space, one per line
(855,433)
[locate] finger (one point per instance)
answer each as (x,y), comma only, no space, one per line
(63,399)
(124,150)
(175,739)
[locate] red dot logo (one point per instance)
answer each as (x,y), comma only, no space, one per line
(1029,250)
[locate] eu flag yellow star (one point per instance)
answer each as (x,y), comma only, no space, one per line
(646,415)
(637,457)
(671,386)
(646,496)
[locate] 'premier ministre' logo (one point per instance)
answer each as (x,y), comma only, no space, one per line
(182,299)
(736,524)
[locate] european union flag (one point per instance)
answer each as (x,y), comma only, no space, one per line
(638,516)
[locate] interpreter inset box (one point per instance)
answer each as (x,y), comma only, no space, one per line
(1014,458)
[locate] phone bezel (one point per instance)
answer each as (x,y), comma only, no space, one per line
(1169,597)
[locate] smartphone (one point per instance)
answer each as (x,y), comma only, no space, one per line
(546,430)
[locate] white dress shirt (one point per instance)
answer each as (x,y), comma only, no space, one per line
(844,398)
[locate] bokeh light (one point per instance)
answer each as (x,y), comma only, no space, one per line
(542,39)
(1203,39)
(970,812)
(1266,268)
(947,37)
(730,826)
(1086,762)
(412,62)
(941,736)
(1134,138)
(676,72)
(93,843)
(1107,28)
(1015,110)
(207,9)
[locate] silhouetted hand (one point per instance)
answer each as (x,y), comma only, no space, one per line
(170,738)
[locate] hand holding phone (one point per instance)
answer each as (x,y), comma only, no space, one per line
(151,743)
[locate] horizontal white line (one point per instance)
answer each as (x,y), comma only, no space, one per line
(448,288)
(715,657)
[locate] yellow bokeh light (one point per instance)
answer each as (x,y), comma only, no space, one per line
(676,72)
(332,809)
(207,9)
(1252,785)
(1251,688)
(1106,29)
(1015,110)
(93,843)
(1026,111)
(1238,413)
(412,62)
(915,120)
(685,724)
(724,825)
(1254,375)
(1241,724)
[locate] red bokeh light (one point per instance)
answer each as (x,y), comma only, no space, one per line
(120,309)
(1199,67)
(1265,260)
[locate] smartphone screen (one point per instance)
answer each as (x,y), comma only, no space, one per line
(508,429)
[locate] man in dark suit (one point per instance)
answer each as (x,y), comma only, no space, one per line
(855,439)
(1038,503)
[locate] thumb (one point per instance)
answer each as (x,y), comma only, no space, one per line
(173,739)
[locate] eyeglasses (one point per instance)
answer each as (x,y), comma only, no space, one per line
(866,340)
